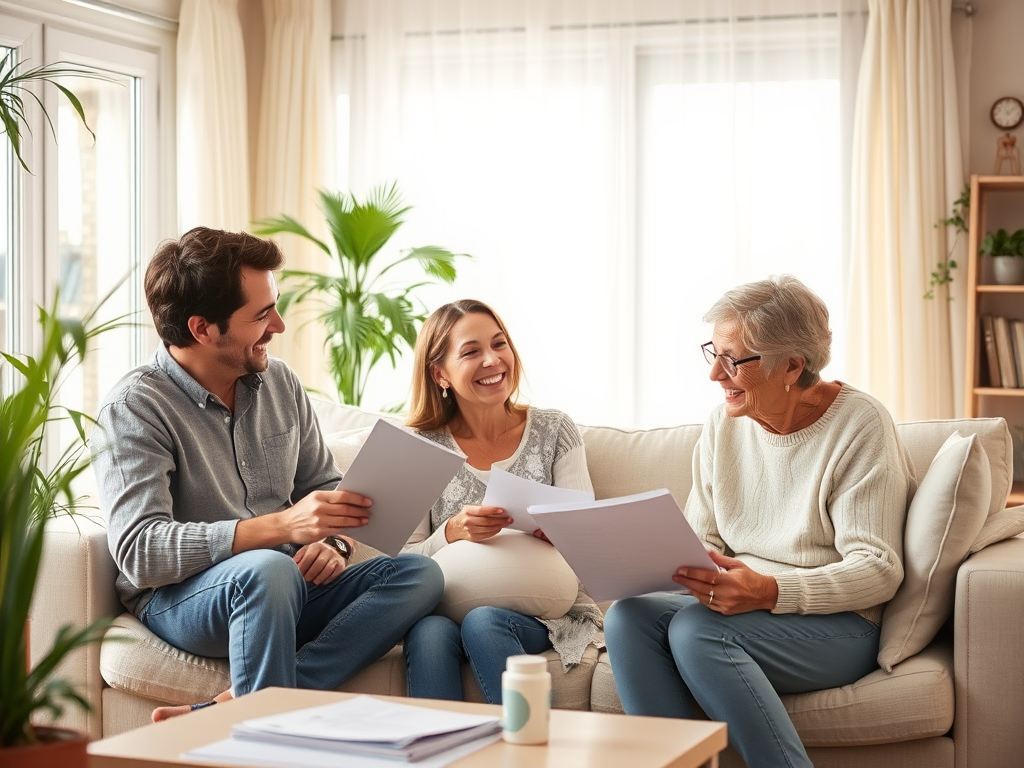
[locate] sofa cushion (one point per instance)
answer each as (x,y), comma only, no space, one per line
(141,663)
(1004,524)
(944,518)
(915,701)
(512,570)
(623,462)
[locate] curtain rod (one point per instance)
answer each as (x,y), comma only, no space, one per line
(116,9)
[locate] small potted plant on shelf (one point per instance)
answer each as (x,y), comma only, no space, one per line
(1007,251)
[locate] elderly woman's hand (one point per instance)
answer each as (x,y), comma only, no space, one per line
(475,523)
(734,589)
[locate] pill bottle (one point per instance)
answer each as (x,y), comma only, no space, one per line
(525,700)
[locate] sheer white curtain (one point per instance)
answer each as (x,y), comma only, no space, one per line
(612,166)
(907,155)
(213,155)
(294,153)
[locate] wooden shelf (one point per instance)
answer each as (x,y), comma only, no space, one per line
(987,298)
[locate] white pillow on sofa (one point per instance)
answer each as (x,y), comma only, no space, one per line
(511,570)
(944,519)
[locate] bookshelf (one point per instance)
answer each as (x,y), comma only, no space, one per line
(995,201)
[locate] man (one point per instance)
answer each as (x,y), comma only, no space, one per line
(218,485)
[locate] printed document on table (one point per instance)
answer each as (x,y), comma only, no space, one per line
(403,474)
(626,546)
(515,494)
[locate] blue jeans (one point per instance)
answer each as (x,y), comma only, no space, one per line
(435,648)
(671,654)
(256,610)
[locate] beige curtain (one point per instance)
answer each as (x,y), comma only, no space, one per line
(907,171)
(213,154)
(294,156)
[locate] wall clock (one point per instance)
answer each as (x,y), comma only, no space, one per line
(1007,113)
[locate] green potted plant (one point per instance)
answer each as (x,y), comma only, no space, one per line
(32,489)
(1006,249)
(31,492)
(365,318)
(958,218)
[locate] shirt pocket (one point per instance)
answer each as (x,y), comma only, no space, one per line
(281,455)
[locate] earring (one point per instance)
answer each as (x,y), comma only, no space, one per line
(444,392)
(787,389)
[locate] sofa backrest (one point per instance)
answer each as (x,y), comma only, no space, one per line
(623,461)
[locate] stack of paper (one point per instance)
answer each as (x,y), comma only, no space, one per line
(364,725)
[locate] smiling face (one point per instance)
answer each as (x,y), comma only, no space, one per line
(243,346)
(480,365)
(752,392)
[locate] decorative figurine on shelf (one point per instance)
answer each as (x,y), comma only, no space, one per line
(1006,152)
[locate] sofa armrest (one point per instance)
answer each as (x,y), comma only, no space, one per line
(75,586)
(988,665)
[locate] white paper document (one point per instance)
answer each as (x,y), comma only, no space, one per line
(351,732)
(403,474)
(515,494)
(626,546)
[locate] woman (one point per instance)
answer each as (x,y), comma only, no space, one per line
(466,378)
(806,483)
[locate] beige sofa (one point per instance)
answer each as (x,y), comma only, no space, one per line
(959,702)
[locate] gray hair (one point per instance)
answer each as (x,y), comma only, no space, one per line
(779,318)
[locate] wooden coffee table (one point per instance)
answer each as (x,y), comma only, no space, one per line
(584,739)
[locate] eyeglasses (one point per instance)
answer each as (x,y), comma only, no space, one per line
(729,363)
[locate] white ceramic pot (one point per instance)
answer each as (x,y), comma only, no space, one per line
(1008,270)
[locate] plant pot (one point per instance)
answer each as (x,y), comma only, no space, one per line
(1008,270)
(57,748)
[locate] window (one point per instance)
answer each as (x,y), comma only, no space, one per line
(612,179)
(89,214)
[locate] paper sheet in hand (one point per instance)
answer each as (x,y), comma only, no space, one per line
(403,474)
(365,725)
(626,546)
(515,494)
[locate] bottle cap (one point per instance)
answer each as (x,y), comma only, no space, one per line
(526,664)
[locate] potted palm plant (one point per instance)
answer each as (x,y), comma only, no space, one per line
(33,489)
(366,318)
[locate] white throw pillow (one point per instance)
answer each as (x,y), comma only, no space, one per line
(1000,525)
(511,570)
(943,521)
(345,444)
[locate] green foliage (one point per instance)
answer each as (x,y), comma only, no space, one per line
(1003,243)
(958,219)
(365,318)
(31,492)
(14,92)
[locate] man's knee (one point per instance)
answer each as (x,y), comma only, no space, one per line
(424,572)
(268,575)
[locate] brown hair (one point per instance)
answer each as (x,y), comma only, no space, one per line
(201,274)
(429,410)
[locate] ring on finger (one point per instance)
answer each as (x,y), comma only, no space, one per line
(711,597)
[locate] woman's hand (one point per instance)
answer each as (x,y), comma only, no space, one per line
(476,524)
(735,589)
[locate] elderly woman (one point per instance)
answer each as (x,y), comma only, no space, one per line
(804,483)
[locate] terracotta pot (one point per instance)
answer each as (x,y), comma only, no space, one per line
(57,748)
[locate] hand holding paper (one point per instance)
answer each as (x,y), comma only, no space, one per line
(516,494)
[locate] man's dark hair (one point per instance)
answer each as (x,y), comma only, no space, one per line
(201,274)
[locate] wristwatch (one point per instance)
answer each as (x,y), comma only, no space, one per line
(340,544)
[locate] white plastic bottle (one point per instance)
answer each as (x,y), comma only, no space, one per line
(525,700)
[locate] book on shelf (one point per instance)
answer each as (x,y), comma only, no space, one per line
(1017,334)
(1004,350)
(991,357)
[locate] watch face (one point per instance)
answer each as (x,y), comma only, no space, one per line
(1007,112)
